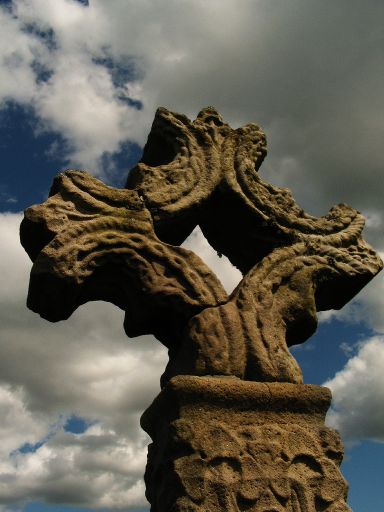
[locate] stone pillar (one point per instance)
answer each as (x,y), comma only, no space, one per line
(224,444)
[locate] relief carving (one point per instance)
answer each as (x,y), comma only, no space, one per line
(89,242)
(93,242)
(216,459)
(261,468)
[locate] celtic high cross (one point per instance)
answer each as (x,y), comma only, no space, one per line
(234,428)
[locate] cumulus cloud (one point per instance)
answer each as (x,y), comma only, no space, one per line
(85,366)
(94,469)
(15,413)
(358,394)
(56,66)
(317,90)
(229,275)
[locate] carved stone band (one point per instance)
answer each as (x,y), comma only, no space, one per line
(225,445)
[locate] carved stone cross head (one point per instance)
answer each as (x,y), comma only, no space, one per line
(90,242)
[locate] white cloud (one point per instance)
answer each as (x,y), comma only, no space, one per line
(316,90)
(16,58)
(229,275)
(79,100)
(85,366)
(358,394)
(94,469)
(14,413)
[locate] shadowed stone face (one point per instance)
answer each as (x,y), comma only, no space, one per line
(93,242)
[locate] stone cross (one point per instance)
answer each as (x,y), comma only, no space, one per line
(234,428)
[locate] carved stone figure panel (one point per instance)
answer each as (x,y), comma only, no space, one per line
(225,445)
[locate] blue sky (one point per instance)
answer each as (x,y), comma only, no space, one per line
(79,85)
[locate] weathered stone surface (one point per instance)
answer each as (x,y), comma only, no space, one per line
(89,241)
(204,172)
(227,445)
(221,443)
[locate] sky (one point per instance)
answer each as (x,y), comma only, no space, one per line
(79,84)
